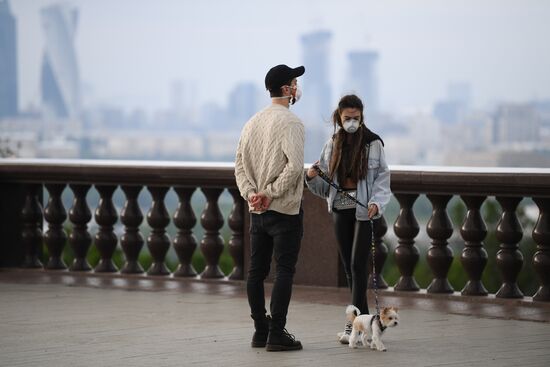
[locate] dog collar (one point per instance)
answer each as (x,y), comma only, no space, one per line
(380,325)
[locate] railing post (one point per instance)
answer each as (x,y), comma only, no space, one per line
(185,242)
(212,242)
(158,242)
(541,259)
(474,256)
(406,254)
(79,239)
(31,216)
(509,258)
(236,243)
(132,240)
(12,199)
(55,238)
(381,253)
(440,256)
(105,238)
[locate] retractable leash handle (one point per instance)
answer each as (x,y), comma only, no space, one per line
(327,179)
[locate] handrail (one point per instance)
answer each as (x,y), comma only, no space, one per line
(404,179)
(118,172)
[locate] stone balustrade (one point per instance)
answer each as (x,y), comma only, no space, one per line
(28,223)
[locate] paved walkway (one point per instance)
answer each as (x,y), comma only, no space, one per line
(84,322)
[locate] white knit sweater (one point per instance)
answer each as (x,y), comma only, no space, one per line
(270,158)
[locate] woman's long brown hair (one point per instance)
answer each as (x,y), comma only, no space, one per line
(348,158)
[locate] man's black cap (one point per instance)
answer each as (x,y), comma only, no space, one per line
(280,75)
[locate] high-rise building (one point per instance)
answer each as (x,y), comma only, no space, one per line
(362,78)
(8,62)
(243,104)
(318,105)
(183,101)
(453,109)
(60,83)
(516,123)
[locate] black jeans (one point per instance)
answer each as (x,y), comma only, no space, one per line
(354,244)
(277,235)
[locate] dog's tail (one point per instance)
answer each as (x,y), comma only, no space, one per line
(352,312)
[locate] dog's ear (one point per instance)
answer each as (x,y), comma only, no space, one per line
(396,309)
(385,310)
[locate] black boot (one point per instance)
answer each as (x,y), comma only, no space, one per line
(261,324)
(281,340)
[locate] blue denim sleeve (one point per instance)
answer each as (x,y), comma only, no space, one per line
(317,185)
(381,191)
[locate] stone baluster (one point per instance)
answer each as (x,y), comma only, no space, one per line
(509,258)
(79,239)
(381,254)
(541,259)
(31,235)
(406,253)
(212,243)
(158,242)
(185,242)
(440,256)
(55,238)
(132,240)
(105,239)
(474,256)
(236,243)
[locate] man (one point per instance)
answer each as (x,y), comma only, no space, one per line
(269,169)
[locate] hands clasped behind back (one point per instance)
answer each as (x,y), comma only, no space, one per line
(259,201)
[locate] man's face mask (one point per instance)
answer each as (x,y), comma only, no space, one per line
(293,98)
(297,95)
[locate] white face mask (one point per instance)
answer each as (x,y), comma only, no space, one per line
(351,125)
(293,99)
(297,95)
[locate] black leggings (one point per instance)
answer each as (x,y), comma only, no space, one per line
(354,242)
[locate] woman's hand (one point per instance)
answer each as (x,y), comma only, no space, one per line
(312,171)
(373,210)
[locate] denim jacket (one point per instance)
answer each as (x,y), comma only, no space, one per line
(375,189)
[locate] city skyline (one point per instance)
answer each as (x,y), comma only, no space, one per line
(60,79)
(131,59)
(8,62)
(73,118)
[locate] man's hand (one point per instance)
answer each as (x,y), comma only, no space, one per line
(312,171)
(259,202)
(254,200)
(373,210)
(264,201)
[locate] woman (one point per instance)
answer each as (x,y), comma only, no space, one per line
(354,160)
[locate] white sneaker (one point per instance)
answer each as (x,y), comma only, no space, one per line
(343,336)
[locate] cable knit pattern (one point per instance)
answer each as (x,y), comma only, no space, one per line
(270,158)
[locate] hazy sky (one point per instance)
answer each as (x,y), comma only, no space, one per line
(130,51)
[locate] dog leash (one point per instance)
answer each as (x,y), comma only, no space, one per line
(374,281)
(327,179)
